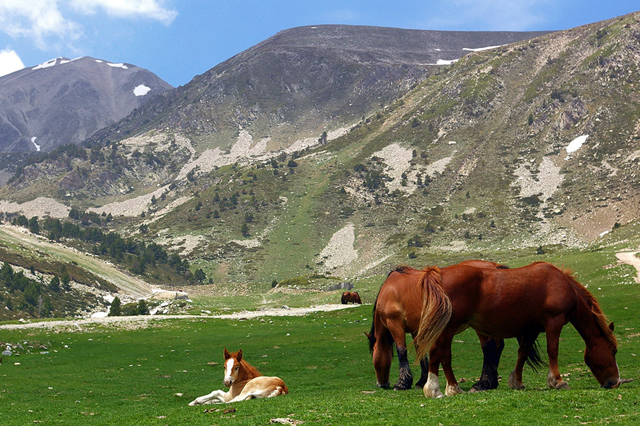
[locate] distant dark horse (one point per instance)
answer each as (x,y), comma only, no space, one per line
(352,297)
(503,303)
(397,311)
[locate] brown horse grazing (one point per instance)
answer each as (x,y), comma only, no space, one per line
(348,296)
(244,381)
(397,311)
(523,303)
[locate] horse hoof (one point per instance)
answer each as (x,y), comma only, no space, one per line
(562,385)
(383,385)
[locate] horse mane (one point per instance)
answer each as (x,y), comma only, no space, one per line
(592,302)
(402,269)
(253,372)
(436,311)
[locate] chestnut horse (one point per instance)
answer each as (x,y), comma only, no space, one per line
(397,311)
(502,303)
(348,296)
(244,382)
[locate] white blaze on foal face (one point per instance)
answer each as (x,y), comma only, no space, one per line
(230,371)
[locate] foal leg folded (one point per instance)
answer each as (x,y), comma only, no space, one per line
(215,397)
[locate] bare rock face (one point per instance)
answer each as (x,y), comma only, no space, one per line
(65,101)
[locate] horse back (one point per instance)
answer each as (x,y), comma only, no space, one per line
(505,302)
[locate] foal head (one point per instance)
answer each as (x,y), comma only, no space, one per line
(232,366)
(236,369)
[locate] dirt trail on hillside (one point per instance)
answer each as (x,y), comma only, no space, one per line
(630,258)
(143,320)
(12,236)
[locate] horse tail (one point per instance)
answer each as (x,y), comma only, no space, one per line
(436,311)
(533,358)
(372,334)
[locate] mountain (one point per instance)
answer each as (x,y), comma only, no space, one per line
(302,82)
(65,101)
(522,148)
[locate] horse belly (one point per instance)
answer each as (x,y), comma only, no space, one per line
(503,325)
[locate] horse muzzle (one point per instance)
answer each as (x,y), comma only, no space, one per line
(612,383)
(227,381)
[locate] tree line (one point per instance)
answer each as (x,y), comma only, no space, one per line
(137,255)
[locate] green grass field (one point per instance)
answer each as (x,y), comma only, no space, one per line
(114,375)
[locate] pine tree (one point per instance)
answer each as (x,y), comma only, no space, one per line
(116,308)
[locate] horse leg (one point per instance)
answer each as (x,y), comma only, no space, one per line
(215,397)
(526,344)
(405,378)
(431,389)
(424,372)
(382,354)
(554,380)
(453,388)
(491,350)
(440,353)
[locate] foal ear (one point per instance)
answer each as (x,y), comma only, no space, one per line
(227,355)
(611,326)
(239,355)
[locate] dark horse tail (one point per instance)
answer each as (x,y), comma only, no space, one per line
(372,334)
(533,358)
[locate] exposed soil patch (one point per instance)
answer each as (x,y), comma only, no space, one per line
(630,258)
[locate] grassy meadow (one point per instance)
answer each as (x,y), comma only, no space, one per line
(112,374)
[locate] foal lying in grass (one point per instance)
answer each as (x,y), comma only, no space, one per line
(244,382)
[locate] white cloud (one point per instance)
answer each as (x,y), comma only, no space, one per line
(38,19)
(149,9)
(9,62)
(47,21)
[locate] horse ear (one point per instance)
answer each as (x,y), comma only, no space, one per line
(239,355)
(611,326)
(227,355)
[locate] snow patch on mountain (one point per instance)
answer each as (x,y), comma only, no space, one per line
(141,90)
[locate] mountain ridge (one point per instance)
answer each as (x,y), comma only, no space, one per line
(65,101)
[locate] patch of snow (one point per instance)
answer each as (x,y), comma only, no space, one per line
(33,141)
(100,315)
(445,62)
(480,49)
(141,90)
(576,144)
(47,64)
(123,66)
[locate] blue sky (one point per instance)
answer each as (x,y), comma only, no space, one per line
(179,39)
